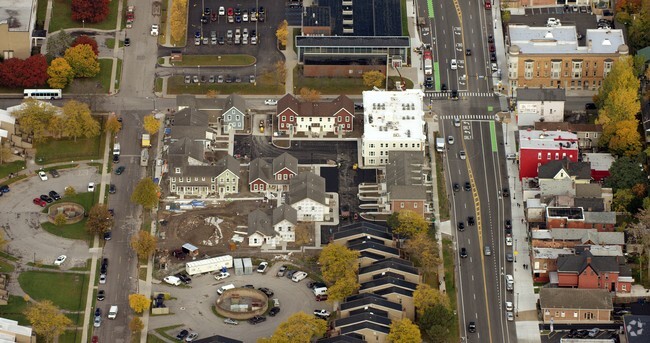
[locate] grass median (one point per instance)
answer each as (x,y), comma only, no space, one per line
(65,290)
(216,60)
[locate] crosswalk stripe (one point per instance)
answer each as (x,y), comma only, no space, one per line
(443,95)
(467,116)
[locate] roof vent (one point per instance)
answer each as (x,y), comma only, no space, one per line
(607,42)
(549,35)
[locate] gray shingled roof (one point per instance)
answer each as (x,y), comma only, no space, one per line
(575,298)
(541,94)
(394,289)
(260,221)
(578,263)
(187,147)
(404,168)
(590,204)
(259,169)
(285,212)
(387,280)
(600,217)
(368,299)
(307,185)
(190,117)
(388,264)
(285,161)
(362,318)
(236,101)
(368,245)
(589,190)
(581,170)
(227,163)
(367,228)
(407,192)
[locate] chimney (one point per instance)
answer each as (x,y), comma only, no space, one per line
(589,260)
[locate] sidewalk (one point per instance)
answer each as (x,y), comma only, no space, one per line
(525,299)
(116,48)
(290,62)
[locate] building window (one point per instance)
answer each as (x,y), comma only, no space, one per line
(229,117)
(188,179)
(548,155)
(539,155)
(284,118)
(401,205)
(415,205)
(347,119)
(562,314)
(290,118)
(623,287)
(575,314)
(577,69)
(528,70)
(608,68)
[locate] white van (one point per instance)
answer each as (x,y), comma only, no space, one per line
(298,276)
(172,280)
(112,312)
(320,291)
(510,282)
(225,288)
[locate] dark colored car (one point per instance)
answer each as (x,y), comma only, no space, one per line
(322,297)
(493,57)
(456,187)
(127,41)
(112,189)
(468,52)
(471,327)
(257,320)
(46,198)
(468,186)
(181,335)
(508,224)
(428,82)
(249,286)
(463,252)
(443,87)
(107,235)
(505,193)
(119,170)
(184,278)
(490,39)
(274,311)
(470,221)
(509,257)
(101,295)
(492,48)
(54,173)
(290,273)
(98,312)
(266,291)
(54,195)
(461,226)
(454,94)
(116,158)
(105,262)
(4,189)
(104,269)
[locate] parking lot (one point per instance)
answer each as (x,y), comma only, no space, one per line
(582,21)
(192,305)
(21,218)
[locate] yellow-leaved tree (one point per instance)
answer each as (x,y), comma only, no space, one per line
(34,117)
(83,60)
(60,73)
(426,297)
(373,78)
(79,121)
(299,327)
(113,125)
(407,223)
(145,193)
(282,33)
(139,302)
(144,244)
(404,331)
(151,124)
(47,320)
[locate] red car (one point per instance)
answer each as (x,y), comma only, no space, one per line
(40,202)
(231,11)
(492,48)
(95,339)
(213,16)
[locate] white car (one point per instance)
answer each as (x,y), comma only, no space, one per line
(509,306)
(91,186)
(262,267)
(494,67)
(322,313)
(230,321)
(244,17)
(270,102)
(42,175)
(509,241)
(552,22)
(102,279)
(154,29)
(298,276)
(510,316)
(453,64)
(192,337)
(221,276)
(98,321)
(222,10)
(59,260)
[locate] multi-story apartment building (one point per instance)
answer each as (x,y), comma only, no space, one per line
(393,121)
(553,57)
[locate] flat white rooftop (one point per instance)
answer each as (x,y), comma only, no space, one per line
(393,115)
(564,40)
(548,140)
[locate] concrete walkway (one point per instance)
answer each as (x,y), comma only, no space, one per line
(290,63)
(116,48)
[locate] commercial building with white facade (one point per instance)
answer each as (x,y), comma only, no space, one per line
(540,105)
(393,121)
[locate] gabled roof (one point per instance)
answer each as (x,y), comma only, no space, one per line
(236,101)
(574,298)
(395,289)
(259,169)
(307,185)
(590,204)
(190,117)
(589,190)
(578,263)
(600,217)
(365,325)
(584,235)
(407,192)
(388,264)
(368,299)
(227,163)
(349,338)
(362,318)
(218,339)
(368,245)
(580,170)
(260,221)
(366,228)
(389,281)
(285,212)
(404,168)
(315,109)
(285,161)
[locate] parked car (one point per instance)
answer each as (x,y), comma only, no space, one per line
(266,291)
(283,269)
(186,279)
(322,313)
(59,260)
(270,102)
(262,267)
(321,297)
(40,202)
(102,279)
(108,235)
(119,170)
(182,335)
(54,173)
(97,322)
(91,187)
(192,337)
(274,311)
(463,252)
(230,321)
(112,189)
(257,319)
(221,276)
(54,195)
(298,276)
(101,295)
(42,175)
(46,198)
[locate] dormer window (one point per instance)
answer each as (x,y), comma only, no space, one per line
(177,170)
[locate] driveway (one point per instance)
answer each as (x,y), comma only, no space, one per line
(21,219)
(192,306)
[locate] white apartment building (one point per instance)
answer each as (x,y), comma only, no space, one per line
(392,121)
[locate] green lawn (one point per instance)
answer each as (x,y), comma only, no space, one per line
(65,290)
(62,17)
(158,85)
(41,11)
(6,266)
(118,74)
(11,167)
(64,150)
(405,29)
(14,310)
(76,230)
(104,76)
(176,85)
(70,336)
(110,43)
(214,60)
(450,283)
(393,79)
(163,331)
(15,179)
(328,85)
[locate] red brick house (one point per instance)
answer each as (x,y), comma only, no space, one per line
(577,218)
(274,176)
(594,272)
(315,117)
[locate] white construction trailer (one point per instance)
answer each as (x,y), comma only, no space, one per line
(209,265)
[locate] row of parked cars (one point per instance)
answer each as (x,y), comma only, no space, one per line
(217,79)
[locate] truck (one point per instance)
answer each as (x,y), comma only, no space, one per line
(209,265)
(428,62)
(130,16)
(146,140)
(116,149)
(440,144)
(112,312)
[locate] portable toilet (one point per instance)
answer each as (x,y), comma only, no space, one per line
(239,266)
(248,266)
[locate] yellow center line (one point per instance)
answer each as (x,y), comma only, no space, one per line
(479,226)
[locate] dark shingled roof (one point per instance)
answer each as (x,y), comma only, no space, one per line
(368,299)
(218,339)
(365,325)
(307,185)
(578,263)
(260,221)
(285,212)
(259,169)
(389,281)
(581,170)
(367,245)
(395,289)
(236,101)
(590,204)
(284,161)
(349,338)
(227,163)
(575,298)
(388,264)
(316,109)
(365,228)
(361,318)
(541,94)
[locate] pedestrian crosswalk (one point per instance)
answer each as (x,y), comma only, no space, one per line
(447,95)
(467,116)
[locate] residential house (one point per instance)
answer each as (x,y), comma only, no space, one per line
(307,117)
(405,189)
(210,108)
(577,218)
(600,164)
(227,175)
(544,263)
(575,306)
(272,229)
(307,195)
(393,121)
(372,250)
(234,113)
(592,197)
(393,289)
(363,229)
(395,267)
(553,57)
(274,176)
(369,302)
(537,148)
(373,327)
(10,331)
(560,177)
(540,105)
(570,238)
(586,271)
(17,28)
(588,134)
